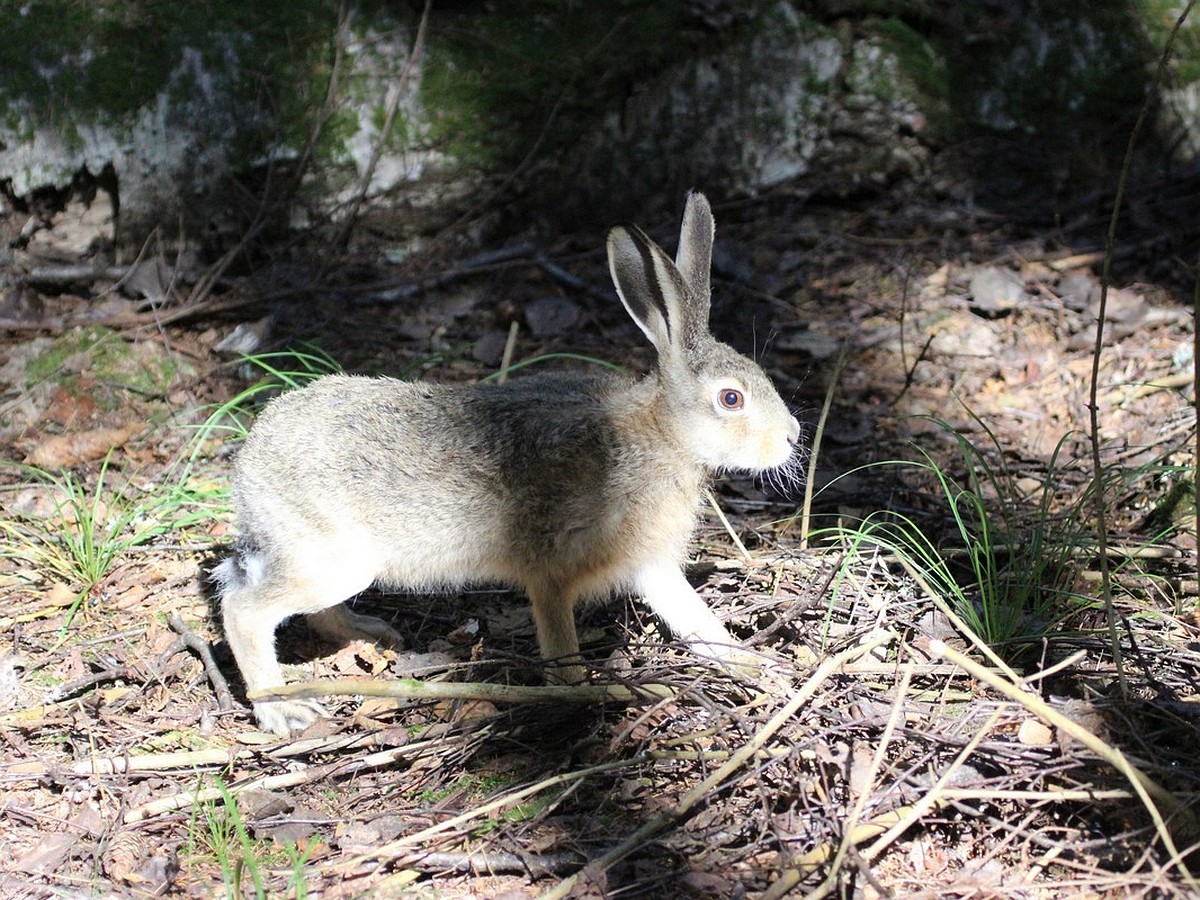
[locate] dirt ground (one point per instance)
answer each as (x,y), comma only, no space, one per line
(946,339)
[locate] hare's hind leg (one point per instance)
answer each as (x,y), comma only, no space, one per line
(554,617)
(252,609)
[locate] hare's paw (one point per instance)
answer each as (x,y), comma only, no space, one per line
(283,717)
(340,624)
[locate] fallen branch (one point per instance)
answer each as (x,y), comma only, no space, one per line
(59,324)
(496,862)
(201,648)
(337,768)
(415,689)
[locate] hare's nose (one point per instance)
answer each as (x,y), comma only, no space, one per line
(793,430)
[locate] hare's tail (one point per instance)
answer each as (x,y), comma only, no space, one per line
(241,569)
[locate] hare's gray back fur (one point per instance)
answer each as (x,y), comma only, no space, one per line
(569,486)
(441,486)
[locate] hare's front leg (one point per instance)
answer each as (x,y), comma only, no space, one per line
(668,593)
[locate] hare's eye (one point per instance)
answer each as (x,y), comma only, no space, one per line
(731,398)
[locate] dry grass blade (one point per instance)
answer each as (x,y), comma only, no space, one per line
(956,620)
(747,752)
(737,541)
(398,849)
(1153,795)
(814,452)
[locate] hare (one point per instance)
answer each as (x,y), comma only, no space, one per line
(569,486)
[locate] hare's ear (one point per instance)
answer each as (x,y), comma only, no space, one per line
(694,257)
(649,286)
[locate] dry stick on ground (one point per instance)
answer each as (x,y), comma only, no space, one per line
(1152,794)
(223,757)
(125,763)
(201,648)
(1094,387)
(886,827)
(714,781)
(498,862)
(337,768)
(415,689)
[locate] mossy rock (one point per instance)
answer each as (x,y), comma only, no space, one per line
(98,362)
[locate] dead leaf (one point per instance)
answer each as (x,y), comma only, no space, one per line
(60,595)
(996,291)
(64,450)
(49,855)
(360,657)
(376,709)
(707,884)
(73,408)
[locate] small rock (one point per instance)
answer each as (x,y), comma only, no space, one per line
(1033,733)
(489,348)
(1079,289)
(148,280)
(246,337)
(78,231)
(996,291)
(548,316)
(1121,306)
(960,334)
(11,667)
(814,343)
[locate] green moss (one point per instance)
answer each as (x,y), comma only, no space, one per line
(1159,17)
(97,361)
(1060,69)
(921,64)
(77,61)
(520,74)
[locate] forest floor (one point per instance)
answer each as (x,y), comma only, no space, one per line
(953,505)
